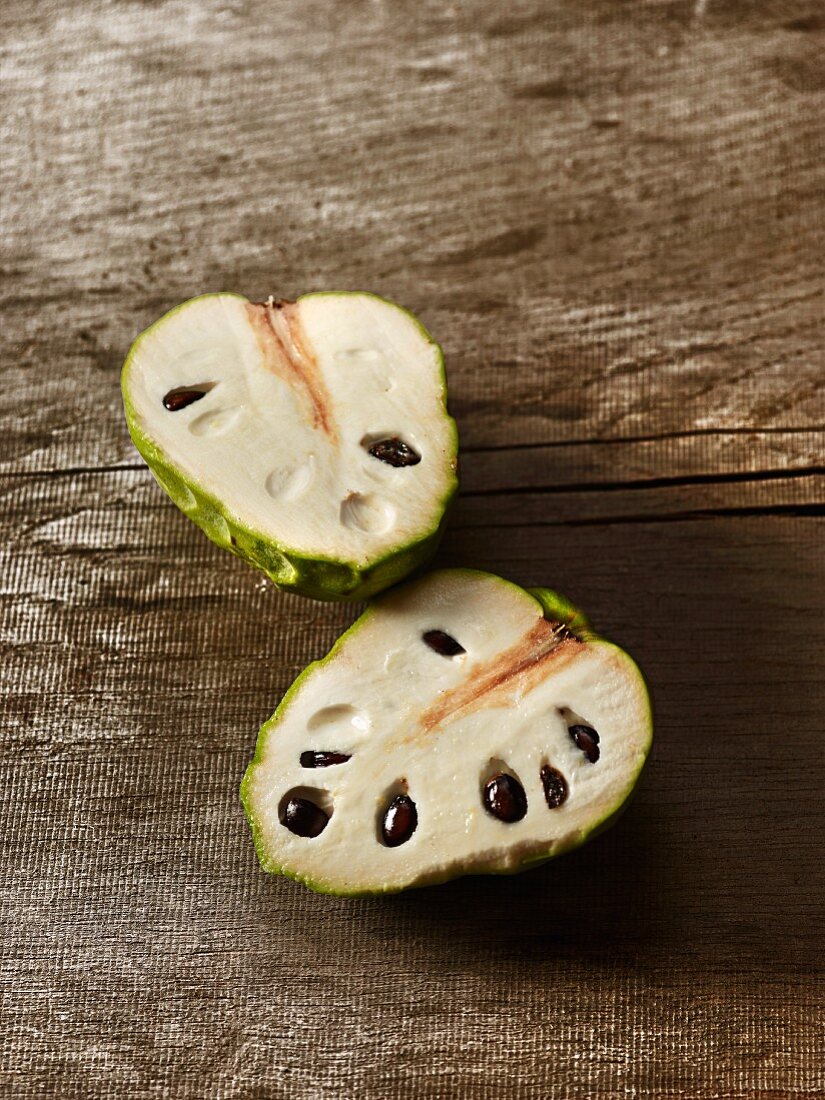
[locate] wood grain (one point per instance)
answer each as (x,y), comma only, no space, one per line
(611,215)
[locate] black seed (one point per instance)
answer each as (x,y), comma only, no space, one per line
(504,798)
(555,786)
(395,452)
(303,817)
(399,822)
(312,759)
(443,643)
(586,739)
(178,399)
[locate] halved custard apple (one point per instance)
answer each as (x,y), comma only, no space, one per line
(311,438)
(462,725)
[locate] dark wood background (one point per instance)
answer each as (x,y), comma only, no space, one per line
(612,214)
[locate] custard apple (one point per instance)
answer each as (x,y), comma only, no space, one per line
(311,438)
(462,725)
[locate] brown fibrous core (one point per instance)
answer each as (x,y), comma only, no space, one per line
(517,670)
(286,352)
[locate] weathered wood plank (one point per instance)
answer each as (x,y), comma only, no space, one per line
(674,955)
(598,463)
(659,274)
(612,217)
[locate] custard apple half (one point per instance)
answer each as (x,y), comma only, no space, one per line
(310,438)
(462,725)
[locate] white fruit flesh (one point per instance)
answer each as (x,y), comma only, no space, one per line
(437,729)
(297,394)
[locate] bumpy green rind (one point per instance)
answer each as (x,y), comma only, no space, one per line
(318,577)
(555,607)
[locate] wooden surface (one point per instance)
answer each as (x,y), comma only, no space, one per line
(612,214)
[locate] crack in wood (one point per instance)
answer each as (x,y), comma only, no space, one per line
(798,510)
(678,481)
(659,437)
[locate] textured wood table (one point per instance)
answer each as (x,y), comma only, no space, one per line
(613,217)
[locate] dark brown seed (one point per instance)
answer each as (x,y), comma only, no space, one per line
(303,817)
(555,786)
(504,798)
(399,822)
(586,739)
(178,399)
(312,759)
(395,452)
(443,643)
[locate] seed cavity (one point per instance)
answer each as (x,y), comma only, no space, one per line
(400,821)
(503,797)
(443,643)
(324,759)
(182,396)
(555,786)
(586,739)
(303,817)
(356,357)
(341,720)
(216,421)
(290,482)
(393,451)
(366,512)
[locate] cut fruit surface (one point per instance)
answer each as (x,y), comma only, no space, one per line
(310,438)
(510,743)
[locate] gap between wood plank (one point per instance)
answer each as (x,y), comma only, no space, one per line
(72,471)
(619,439)
(650,483)
(798,510)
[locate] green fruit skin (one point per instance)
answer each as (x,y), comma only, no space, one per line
(319,578)
(555,607)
